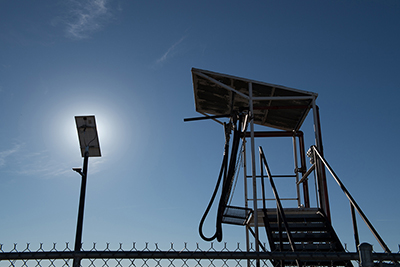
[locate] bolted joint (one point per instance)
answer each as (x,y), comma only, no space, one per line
(310,154)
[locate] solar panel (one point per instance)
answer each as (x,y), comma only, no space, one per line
(87,133)
(275,106)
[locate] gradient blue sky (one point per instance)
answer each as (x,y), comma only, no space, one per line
(129,62)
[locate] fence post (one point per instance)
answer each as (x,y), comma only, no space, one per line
(365,252)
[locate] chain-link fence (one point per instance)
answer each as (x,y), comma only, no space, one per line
(147,255)
(152,256)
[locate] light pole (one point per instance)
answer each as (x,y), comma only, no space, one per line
(89,145)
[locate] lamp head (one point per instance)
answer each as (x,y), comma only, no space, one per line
(78,170)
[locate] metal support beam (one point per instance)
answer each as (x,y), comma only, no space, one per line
(253,172)
(320,170)
(79,226)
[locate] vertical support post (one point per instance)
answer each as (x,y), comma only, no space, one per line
(79,226)
(296,168)
(321,176)
(306,193)
(355,228)
(365,252)
(246,197)
(253,173)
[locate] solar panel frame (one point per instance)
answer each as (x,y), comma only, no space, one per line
(274,106)
(87,134)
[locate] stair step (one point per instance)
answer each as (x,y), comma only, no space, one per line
(317,263)
(293,215)
(304,237)
(297,217)
(310,247)
(296,227)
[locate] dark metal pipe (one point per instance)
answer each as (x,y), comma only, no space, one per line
(303,168)
(207,117)
(323,187)
(79,226)
(280,107)
(355,229)
(275,134)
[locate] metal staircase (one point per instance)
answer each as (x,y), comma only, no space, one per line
(301,229)
(309,230)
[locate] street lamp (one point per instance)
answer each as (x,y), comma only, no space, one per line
(89,144)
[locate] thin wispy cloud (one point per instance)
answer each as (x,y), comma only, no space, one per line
(170,51)
(86,17)
(18,160)
(7,153)
(41,164)
(47,165)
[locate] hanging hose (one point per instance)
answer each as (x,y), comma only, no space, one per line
(227,173)
(218,230)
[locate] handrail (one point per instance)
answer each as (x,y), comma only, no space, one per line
(352,201)
(278,202)
(305,176)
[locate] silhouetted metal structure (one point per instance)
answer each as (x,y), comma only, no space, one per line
(283,110)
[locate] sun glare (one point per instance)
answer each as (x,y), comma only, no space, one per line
(65,136)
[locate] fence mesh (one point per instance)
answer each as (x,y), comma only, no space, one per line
(147,255)
(150,256)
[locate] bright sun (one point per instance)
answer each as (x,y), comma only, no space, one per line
(109,124)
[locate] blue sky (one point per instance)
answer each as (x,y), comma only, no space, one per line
(129,62)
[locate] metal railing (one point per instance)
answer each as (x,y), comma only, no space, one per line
(316,158)
(279,207)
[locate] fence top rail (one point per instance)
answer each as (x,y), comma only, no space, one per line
(274,255)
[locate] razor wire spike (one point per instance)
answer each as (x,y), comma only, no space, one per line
(120,246)
(66,247)
(15,246)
